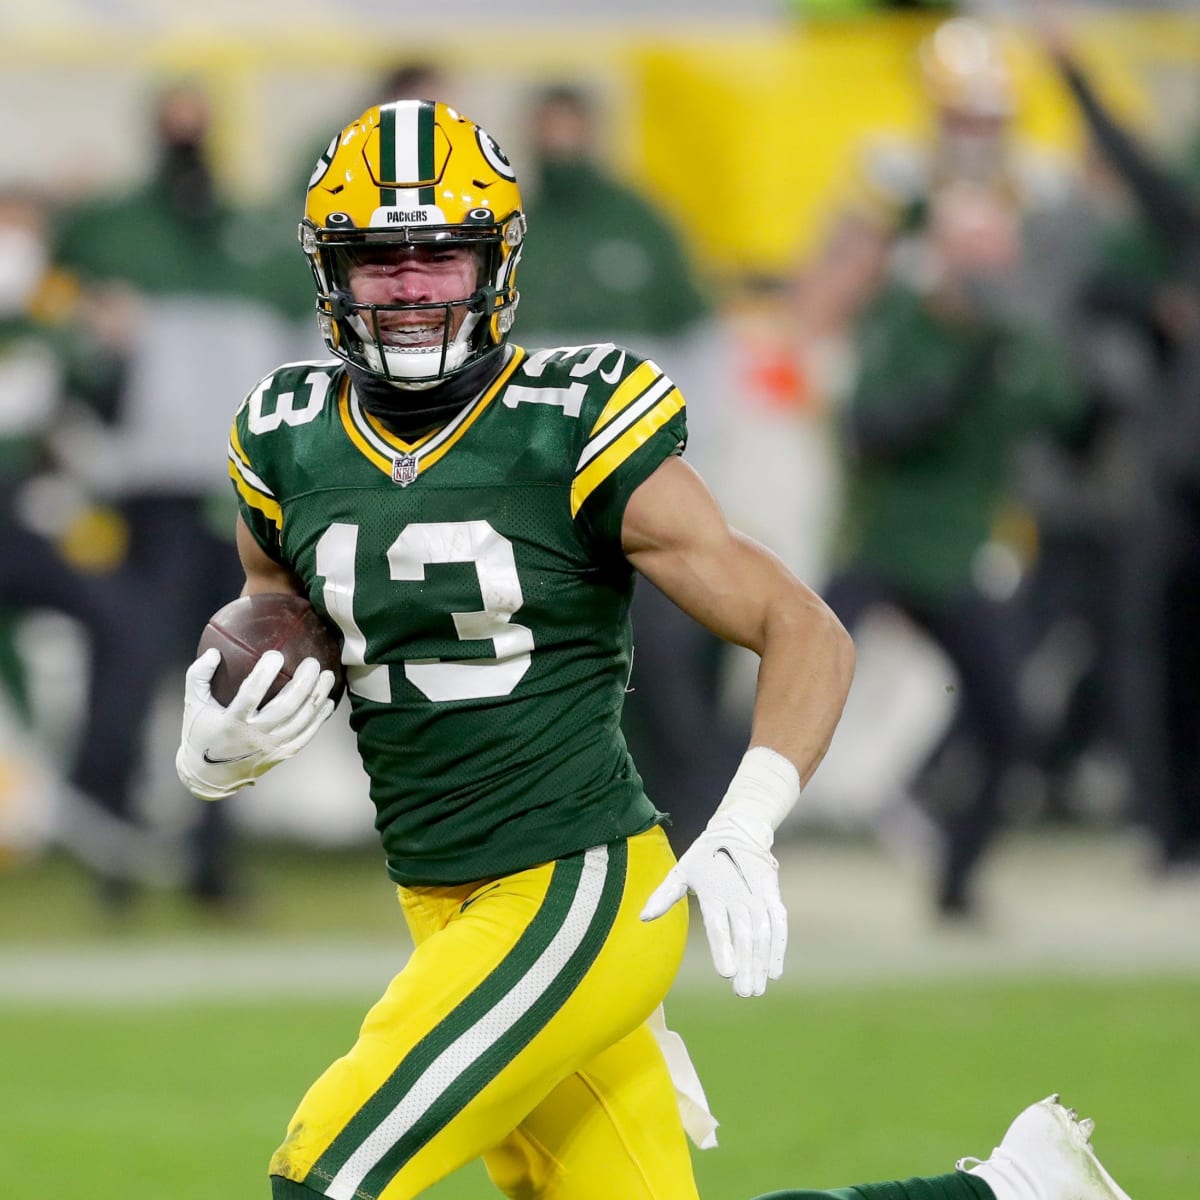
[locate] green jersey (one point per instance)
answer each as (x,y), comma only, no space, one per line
(479,584)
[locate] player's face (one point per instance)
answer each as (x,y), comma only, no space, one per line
(423,274)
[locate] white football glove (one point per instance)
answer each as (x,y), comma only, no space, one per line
(226,748)
(735,876)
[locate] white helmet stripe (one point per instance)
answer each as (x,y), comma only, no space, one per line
(407,143)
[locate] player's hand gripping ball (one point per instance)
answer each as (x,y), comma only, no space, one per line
(248,627)
(232,734)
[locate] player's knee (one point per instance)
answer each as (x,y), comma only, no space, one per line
(521,1168)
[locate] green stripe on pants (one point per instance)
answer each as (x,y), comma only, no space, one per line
(488,1065)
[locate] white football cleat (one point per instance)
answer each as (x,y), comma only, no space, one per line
(1046,1155)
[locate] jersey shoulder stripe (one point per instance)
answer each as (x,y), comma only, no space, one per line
(628,391)
(637,410)
(290,396)
(630,410)
(249,484)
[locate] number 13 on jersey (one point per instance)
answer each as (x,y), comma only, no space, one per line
(418,546)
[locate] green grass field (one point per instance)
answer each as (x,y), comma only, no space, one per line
(815,1086)
(821,1088)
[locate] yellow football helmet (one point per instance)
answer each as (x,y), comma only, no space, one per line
(407,173)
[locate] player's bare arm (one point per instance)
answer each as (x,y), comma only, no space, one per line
(674,533)
(263,573)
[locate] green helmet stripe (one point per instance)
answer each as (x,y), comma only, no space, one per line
(387,154)
(425,135)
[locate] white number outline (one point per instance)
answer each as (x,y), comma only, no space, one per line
(285,411)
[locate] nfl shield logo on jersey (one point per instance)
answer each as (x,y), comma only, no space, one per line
(404,469)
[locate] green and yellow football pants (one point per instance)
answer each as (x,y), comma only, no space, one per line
(516,1033)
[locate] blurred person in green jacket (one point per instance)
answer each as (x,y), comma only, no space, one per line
(605,257)
(951,381)
(1144,294)
(168,267)
(61,545)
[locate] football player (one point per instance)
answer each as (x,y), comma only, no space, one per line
(471,515)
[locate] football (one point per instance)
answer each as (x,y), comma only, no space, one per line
(248,627)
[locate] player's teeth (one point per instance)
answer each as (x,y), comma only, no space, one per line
(411,333)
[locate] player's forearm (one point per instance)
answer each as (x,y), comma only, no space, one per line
(807,665)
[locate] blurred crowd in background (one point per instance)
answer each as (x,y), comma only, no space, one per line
(952,377)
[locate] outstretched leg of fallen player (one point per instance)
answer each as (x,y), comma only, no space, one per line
(1045,1155)
(957,1186)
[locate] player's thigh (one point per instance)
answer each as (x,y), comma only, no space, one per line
(610,1129)
(509,990)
